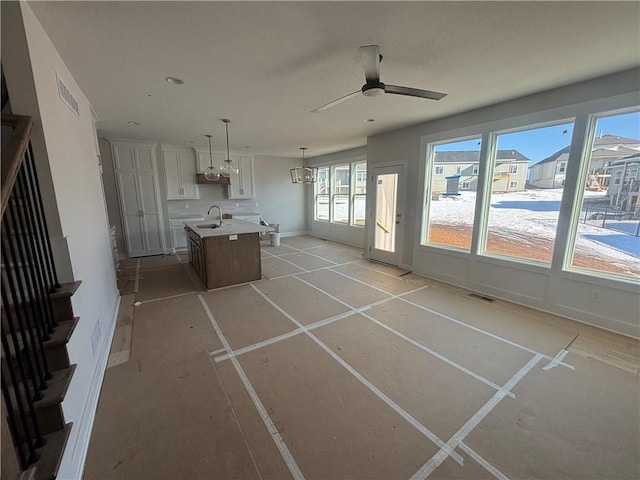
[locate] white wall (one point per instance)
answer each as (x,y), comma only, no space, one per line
(337,232)
(550,289)
(279,200)
(69,144)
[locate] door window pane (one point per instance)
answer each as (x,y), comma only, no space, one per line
(386,203)
(322,195)
(523,215)
(607,233)
(451,198)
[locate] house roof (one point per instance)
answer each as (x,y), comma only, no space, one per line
(609,139)
(473,156)
(617,150)
(630,160)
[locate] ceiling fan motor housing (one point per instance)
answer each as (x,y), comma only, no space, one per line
(373,89)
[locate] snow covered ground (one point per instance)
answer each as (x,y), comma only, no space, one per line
(535,213)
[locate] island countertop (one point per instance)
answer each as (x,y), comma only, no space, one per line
(229,227)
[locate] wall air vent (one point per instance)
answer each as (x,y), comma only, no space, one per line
(67,97)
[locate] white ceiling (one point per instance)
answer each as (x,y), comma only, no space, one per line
(266,65)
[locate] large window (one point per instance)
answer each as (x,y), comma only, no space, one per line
(522,217)
(607,232)
(340,194)
(322,195)
(451,197)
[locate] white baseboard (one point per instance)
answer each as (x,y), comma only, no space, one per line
(73,460)
(293,234)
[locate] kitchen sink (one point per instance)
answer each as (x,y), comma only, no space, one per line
(208,225)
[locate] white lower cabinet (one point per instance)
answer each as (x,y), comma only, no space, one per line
(178,234)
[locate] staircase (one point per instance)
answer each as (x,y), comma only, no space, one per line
(37,321)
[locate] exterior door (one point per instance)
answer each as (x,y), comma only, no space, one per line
(385,234)
(137,178)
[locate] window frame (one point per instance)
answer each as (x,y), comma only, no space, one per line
(316,195)
(568,270)
(337,192)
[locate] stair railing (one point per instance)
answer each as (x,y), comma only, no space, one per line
(28,277)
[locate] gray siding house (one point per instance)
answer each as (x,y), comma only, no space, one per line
(550,172)
(510,171)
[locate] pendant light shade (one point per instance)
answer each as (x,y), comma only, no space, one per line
(228,168)
(211,174)
(304,174)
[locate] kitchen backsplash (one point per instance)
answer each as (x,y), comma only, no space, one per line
(210,195)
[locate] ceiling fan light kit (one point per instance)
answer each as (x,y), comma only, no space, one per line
(228,168)
(371,58)
(304,174)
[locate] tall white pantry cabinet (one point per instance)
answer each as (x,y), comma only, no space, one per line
(136,172)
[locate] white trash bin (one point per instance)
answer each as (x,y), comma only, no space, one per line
(275,239)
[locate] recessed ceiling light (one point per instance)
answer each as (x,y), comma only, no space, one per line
(369,120)
(131,122)
(247,146)
(174,80)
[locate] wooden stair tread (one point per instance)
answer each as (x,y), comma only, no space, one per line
(60,336)
(54,394)
(51,454)
(66,290)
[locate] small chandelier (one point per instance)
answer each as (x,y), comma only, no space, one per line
(228,168)
(304,174)
(211,174)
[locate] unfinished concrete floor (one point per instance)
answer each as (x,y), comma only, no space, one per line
(332,367)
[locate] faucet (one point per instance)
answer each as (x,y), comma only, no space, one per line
(219,210)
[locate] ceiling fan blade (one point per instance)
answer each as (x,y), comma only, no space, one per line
(370,58)
(336,102)
(413,92)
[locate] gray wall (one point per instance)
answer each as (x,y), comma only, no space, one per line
(347,234)
(547,288)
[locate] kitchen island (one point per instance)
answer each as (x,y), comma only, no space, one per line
(225,255)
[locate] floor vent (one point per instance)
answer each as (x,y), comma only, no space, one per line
(405,273)
(482,297)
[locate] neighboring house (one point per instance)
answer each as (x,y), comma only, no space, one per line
(551,172)
(624,188)
(510,172)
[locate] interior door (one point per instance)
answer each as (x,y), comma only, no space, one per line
(139,199)
(385,235)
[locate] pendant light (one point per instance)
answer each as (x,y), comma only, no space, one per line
(228,168)
(304,174)
(211,174)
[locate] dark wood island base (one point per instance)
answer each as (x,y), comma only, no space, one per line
(224,260)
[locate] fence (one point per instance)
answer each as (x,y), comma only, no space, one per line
(613,219)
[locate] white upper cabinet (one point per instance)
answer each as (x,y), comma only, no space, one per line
(180,173)
(242,185)
(204,161)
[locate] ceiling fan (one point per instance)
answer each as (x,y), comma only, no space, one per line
(371,58)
